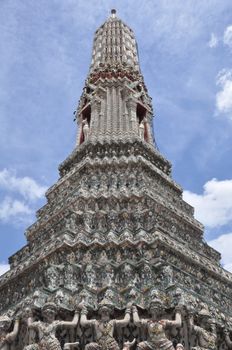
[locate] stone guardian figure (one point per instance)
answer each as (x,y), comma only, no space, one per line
(206,332)
(104,328)
(6,337)
(157,339)
(47,328)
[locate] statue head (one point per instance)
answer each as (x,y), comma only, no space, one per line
(49,311)
(5,322)
(105,309)
(206,319)
(179,347)
(156,306)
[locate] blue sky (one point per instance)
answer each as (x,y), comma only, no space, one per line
(185,52)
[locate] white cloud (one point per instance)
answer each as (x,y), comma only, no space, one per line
(13,209)
(223,244)
(3,268)
(224,96)
(19,207)
(213,42)
(227,38)
(26,186)
(214,206)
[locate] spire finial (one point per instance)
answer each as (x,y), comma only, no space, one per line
(113,13)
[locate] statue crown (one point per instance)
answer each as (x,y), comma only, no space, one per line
(49,306)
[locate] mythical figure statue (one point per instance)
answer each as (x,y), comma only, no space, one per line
(6,337)
(85,129)
(87,258)
(206,332)
(53,277)
(103,258)
(157,338)
(90,275)
(47,328)
(104,328)
(167,276)
(108,276)
(71,222)
(141,130)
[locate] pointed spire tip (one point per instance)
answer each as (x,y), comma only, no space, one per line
(113,13)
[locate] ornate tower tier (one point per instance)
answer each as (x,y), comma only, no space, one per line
(115,241)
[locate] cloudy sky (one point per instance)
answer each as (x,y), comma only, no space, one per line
(185,52)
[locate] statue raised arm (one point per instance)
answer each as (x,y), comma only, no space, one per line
(157,338)
(6,337)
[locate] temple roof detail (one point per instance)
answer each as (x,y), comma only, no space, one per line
(114,43)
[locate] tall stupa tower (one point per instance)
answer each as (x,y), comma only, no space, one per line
(116,255)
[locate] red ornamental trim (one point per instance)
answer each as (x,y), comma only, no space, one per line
(111,75)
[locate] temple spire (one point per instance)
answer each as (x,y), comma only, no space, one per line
(115,104)
(115,243)
(114,44)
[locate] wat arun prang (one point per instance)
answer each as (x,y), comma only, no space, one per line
(116,258)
